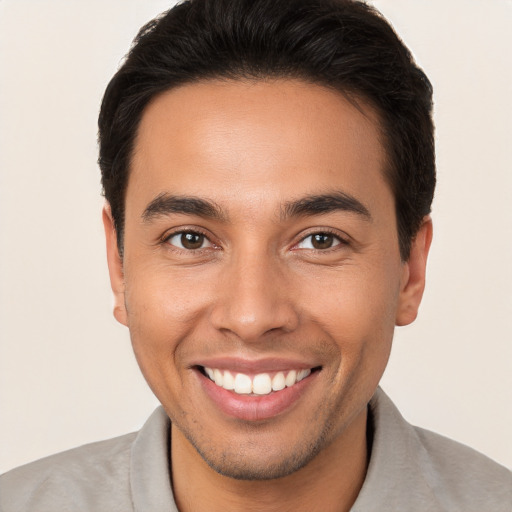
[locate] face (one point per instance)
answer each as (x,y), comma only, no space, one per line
(261,279)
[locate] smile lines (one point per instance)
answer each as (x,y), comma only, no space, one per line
(260,384)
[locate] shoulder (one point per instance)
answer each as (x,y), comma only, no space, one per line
(75,479)
(415,469)
(126,473)
(462,475)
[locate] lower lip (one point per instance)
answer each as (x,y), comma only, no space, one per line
(255,407)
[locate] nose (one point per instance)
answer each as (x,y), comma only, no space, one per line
(254,299)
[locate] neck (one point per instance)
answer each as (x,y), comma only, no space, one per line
(331,481)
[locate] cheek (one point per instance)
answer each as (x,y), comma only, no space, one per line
(357,312)
(352,302)
(163,309)
(164,300)
(167,312)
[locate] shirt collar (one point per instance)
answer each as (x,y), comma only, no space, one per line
(150,477)
(396,479)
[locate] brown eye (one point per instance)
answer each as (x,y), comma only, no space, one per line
(189,240)
(319,241)
(192,240)
(322,240)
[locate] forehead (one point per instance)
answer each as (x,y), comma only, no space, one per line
(237,140)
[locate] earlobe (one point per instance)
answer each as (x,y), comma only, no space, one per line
(115,266)
(413,278)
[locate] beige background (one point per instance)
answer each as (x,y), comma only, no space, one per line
(67,374)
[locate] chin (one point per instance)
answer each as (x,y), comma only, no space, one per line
(256,460)
(260,468)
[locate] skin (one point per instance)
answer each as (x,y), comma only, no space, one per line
(257,288)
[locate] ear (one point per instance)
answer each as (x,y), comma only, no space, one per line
(413,276)
(115,266)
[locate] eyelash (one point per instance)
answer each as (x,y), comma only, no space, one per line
(340,240)
(168,236)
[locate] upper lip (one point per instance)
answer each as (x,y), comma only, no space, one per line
(243,365)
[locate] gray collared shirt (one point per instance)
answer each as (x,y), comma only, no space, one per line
(410,469)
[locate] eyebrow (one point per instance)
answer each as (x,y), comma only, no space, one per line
(325,203)
(165,204)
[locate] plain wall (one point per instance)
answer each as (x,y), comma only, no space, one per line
(67,373)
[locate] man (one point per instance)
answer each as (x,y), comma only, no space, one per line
(268,169)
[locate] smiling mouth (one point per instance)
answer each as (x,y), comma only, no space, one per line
(259,384)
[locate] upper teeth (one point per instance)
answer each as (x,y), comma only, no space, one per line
(260,384)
